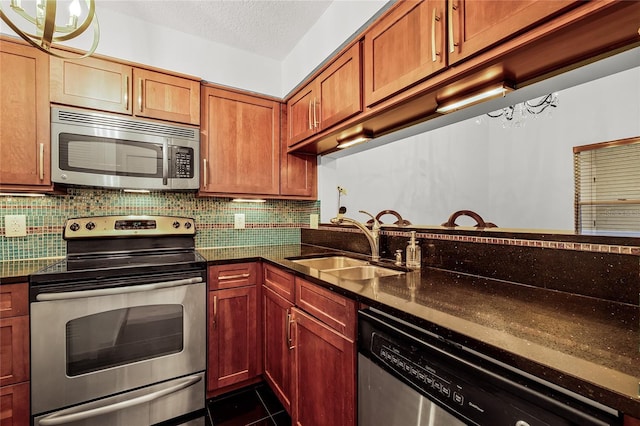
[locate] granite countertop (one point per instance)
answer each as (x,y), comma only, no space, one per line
(586,345)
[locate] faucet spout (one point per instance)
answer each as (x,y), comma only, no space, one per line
(373,235)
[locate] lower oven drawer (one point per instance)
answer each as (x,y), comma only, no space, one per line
(142,407)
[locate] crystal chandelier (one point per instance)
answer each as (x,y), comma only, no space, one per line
(516,115)
(47,30)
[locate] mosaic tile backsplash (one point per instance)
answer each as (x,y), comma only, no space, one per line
(271,223)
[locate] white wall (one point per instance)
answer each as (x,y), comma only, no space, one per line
(514,177)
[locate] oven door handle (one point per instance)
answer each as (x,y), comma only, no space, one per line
(68,416)
(43,297)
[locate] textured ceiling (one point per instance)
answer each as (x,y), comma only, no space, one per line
(269,28)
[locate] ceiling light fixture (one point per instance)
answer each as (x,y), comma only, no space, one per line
(362,136)
(46,29)
(475,98)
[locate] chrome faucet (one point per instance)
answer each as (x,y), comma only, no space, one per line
(372,235)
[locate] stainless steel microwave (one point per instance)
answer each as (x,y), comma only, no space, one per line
(112,151)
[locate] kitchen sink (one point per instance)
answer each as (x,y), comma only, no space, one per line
(365,272)
(347,268)
(330,262)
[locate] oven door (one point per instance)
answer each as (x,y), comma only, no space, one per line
(95,343)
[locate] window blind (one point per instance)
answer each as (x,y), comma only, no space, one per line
(607,187)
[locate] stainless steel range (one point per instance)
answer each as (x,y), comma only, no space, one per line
(118,332)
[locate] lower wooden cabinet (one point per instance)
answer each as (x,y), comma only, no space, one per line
(309,349)
(234,345)
(14,355)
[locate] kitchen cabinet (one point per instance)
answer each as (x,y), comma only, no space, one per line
(14,354)
(240,140)
(476,25)
(298,172)
(234,340)
(116,87)
(317,329)
(24,113)
(331,97)
(404,47)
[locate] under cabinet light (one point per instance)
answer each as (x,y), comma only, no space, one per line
(358,138)
(137,191)
(474,98)
(19,194)
(248,200)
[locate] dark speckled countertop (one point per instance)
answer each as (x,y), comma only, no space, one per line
(586,345)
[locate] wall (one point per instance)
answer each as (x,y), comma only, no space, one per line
(514,177)
(274,222)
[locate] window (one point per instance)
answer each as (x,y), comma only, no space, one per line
(607,187)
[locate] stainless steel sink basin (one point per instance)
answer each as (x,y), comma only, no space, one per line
(330,262)
(366,272)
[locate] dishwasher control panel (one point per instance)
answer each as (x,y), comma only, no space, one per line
(473,389)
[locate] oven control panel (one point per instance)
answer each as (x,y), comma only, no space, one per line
(116,226)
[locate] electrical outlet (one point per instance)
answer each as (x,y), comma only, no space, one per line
(15,225)
(313,221)
(238,221)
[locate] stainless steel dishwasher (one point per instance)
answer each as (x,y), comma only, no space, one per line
(409,376)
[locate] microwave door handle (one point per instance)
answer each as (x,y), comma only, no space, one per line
(165,161)
(68,416)
(44,297)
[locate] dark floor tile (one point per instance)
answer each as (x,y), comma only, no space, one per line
(282,419)
(238,409)
(269,399)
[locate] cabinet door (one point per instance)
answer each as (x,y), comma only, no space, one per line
(24,113)
(339,89)
(278,354)
(14,350)
(14,401)
(92,83)
(325,374)
(297,172)
(475,25)
(166,97)
(403,48)
(241,144)
(300,109)
(233,338)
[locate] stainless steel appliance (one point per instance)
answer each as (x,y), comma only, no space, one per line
(118,328)
(109,150)
(409,376)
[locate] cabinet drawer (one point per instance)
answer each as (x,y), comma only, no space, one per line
(233,275)
(280,282)
(336,311)
(14,401)
(14,300)
(14,350)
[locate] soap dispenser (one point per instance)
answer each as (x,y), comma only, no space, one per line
(414,254)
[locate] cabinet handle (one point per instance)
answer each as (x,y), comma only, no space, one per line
(287,329)
(126,92)
(233,277)
(41,161)
(140,86)
(205,173)
(315,118)
(452,43)
(215,311)
(434,22)
(309,118)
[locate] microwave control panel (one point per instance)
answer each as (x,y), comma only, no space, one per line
(182,162)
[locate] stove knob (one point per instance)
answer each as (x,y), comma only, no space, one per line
(187,225)
(176,224)
(90,225)
(74,226)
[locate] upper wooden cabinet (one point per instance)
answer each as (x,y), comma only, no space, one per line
(404,47)
(24,113)
(333,96)
(111,86)
(476,25)
(240,140)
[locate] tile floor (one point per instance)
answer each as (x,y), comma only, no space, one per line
(256,406)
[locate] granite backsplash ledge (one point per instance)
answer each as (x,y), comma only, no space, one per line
(576,268)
